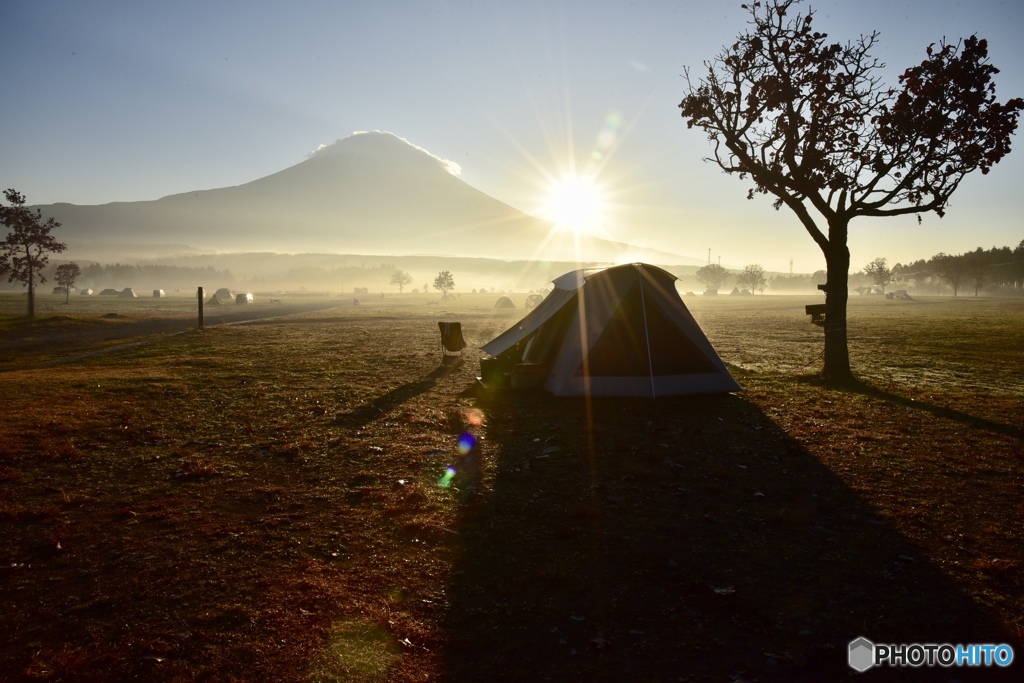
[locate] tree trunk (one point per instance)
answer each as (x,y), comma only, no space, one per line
(837,264)
(31,294)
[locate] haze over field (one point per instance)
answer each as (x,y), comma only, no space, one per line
(565,112)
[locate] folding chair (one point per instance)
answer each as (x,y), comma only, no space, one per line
(452,342)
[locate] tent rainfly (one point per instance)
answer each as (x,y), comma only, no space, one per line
(623,331)
(504,302)
(222,296)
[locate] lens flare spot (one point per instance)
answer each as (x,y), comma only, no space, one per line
(474,417)
(446,479)
(356,649)
(466,443)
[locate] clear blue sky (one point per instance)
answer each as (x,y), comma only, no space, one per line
(124,101)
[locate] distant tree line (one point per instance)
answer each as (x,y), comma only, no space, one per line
(781,284)
(997,271)
(152,276)
(143,277)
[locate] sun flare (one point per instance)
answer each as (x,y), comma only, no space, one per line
(575,203)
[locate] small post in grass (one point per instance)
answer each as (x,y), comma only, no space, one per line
(199,295)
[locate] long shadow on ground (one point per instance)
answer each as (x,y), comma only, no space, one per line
(682,539)
(381,405)
(1013,431)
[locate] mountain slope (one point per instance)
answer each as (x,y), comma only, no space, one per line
(370,192)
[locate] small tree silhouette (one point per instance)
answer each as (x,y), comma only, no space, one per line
(400,278)
(712,276)
(752,278)
(879,272)
(444,283)
(65,276)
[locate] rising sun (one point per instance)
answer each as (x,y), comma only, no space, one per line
(575,203)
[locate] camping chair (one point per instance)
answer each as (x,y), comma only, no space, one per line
(452,342)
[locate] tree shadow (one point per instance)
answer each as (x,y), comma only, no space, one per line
(679,539)
(382,405)
(860,387)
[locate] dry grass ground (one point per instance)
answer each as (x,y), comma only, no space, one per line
(269,500)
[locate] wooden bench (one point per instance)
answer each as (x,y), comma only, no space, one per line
(817,313)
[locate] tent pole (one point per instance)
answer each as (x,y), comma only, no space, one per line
(647,334)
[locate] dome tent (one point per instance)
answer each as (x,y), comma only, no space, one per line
(638,339)
(222,296)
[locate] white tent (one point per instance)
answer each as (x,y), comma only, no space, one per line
(623,331)
(222,296)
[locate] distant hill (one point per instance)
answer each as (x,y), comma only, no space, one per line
(367,193)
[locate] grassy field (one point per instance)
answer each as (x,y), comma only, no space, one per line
(302,492)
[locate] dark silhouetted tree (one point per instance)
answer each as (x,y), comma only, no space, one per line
(809,122)
(65,275)
(26,250)
(444,283)
(712,276)
(879,272)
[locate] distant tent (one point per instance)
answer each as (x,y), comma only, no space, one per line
(127,293)
(109,292)
(623,331)
(158,294)
(222,296)
(60,290)
(735,291)
(504,302)
(85,292)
